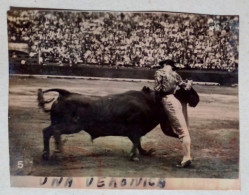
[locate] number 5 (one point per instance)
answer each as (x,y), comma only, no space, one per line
(20,164)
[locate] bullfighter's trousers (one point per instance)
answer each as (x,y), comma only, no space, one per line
(173,108)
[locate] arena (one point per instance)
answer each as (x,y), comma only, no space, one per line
(214,129)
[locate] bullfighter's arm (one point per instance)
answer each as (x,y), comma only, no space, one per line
(185,85)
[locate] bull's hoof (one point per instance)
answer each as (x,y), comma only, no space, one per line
(151,151)
(57,151)
(57,156)
(45,156)
(134,158)
(148,153)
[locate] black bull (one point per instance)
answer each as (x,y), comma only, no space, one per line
(131,114)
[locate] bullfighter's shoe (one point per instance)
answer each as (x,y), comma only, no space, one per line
(184,164)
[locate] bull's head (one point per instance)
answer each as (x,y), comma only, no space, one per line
(187,94)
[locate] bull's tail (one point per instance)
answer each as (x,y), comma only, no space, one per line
(62,92)
(42,102)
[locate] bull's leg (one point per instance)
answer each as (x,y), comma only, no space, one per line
(47,133)
(134,151)
(53,130)
(57,130)
(60,129)
(57,138)
(145,152)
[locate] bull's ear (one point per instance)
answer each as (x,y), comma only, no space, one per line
(146,89)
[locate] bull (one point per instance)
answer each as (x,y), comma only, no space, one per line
(131,114)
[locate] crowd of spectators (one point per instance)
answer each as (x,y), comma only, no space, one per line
(128,39)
